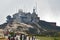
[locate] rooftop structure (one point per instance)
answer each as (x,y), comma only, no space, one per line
(22,17)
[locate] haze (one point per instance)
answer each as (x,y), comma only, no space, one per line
(48,10)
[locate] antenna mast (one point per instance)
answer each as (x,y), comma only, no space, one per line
(35,7)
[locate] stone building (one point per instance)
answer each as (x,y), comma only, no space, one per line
(22,17)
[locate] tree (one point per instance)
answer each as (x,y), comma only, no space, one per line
(8,17)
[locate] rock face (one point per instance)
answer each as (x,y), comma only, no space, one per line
(18,27)
(28,22)
(22,21)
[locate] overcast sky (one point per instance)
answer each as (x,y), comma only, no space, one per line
(48,10)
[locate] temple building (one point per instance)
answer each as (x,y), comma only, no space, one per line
(22,17)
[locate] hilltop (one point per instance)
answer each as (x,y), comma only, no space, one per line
(29,23)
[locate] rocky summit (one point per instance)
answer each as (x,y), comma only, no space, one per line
(29,23)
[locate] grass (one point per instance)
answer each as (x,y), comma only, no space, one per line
(47,38)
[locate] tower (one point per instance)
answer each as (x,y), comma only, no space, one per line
(34,11)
